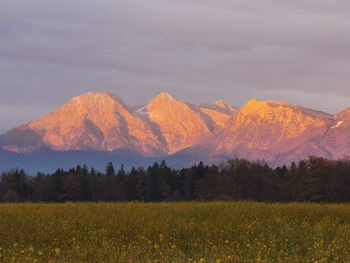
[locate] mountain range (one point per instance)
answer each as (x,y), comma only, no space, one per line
(98,127)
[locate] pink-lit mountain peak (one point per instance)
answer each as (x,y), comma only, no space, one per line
(164,96)
(255,105)
(270,130)
(223,105)
(181,124)
(97,100)
(93,121)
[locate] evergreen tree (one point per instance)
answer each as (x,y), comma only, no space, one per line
(110,169)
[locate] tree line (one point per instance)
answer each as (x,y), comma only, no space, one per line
(314,179)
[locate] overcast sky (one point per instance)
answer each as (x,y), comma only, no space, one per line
(198,50)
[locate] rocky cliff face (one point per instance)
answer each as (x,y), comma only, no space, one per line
(337,140)
(102,122)
(274,131)
(219,112)
(180,124)
(93,121)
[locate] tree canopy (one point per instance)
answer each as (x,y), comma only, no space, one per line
(314,179)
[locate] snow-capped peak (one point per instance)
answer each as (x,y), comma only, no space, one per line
(339,123)
(164,96)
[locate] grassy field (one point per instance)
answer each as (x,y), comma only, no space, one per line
(174,232)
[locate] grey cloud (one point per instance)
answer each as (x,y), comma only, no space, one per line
(198,50)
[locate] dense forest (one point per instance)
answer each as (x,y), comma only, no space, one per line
(315,179)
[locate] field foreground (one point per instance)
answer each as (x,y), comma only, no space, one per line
(174,232)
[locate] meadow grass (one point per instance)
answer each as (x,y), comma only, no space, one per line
(174,232)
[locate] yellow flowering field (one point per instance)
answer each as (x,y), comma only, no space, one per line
(174,232)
